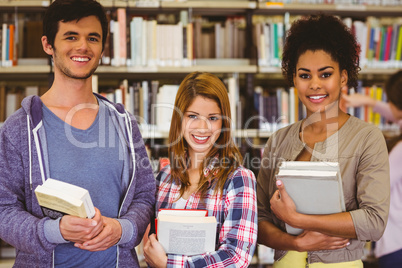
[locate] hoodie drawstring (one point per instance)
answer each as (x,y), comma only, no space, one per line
(29,152)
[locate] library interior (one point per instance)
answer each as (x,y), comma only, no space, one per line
(153,44)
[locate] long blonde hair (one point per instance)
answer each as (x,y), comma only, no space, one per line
(211,87)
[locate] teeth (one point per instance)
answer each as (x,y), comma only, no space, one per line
(200,138)
(317,97)
(80,59)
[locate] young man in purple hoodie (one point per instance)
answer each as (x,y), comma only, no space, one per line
(73,135)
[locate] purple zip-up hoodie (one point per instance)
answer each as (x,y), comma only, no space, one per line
(24,166)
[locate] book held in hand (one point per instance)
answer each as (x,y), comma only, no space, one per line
(59,198)
(315,187)
(185,231)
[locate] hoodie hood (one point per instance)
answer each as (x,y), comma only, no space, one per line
(32,105)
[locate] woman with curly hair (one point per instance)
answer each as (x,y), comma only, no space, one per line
(320,57)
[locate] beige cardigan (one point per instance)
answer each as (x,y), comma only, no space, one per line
(361,151)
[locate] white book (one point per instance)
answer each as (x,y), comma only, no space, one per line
(164,106)
(95,85)
(292,105)
(57,198)
(151,43)
(177,44)
(31,90)
(144,46)
(186,232)
(161,44)
(11,103)
(138,39)
(361,36)
(116,61)
(118,95)
(133,42)
(315,187)
(233,99)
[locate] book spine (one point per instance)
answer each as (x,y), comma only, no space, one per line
(122,22)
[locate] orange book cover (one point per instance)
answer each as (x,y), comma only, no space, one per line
(11,44)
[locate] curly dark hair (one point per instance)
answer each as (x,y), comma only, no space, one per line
(321,32)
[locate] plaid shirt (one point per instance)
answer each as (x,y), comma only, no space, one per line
(235,211)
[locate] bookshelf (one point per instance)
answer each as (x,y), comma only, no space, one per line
(248,67)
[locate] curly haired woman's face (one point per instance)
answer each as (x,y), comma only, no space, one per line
(319,80)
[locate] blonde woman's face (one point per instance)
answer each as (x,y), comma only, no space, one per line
(202,125)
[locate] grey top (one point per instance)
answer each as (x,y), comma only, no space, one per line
(361,151)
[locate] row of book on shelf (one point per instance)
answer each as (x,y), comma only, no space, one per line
(149,41)
(142,41)
(8,51)
(20,39)
(380,39)
(280,107)
(153,102)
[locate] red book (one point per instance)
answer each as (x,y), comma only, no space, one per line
(387,48)
(163,162)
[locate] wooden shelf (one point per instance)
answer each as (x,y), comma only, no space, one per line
(25,69)
(210,4)
(341,9)
(187,69)
(130,4)
(24,3)
(103,69)
(260,7)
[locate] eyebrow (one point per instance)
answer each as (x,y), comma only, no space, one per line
(75,33)
(321,69)
(199,114)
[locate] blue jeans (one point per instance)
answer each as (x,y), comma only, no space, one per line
(392,260)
